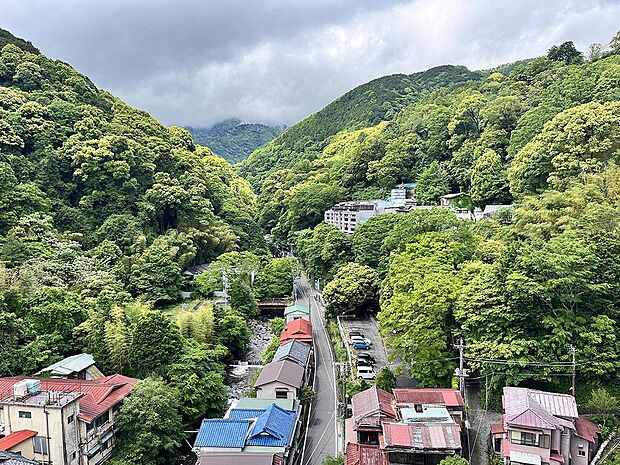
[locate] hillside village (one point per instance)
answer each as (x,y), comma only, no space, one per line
(423,272)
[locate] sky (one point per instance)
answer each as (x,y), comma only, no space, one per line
(197,62)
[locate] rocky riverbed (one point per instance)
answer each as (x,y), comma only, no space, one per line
(244,372)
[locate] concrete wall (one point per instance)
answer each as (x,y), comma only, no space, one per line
(51,422)
(574,450)
(268,391)
(296,316)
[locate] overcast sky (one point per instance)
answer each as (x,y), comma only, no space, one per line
(196,62)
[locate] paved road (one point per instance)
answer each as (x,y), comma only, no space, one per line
(322,430)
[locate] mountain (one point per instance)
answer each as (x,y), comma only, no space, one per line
(99,189)
(368,104)
(7,38)
(448,129)
(233,139)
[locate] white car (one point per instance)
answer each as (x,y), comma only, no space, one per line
(360,339)
(365,372)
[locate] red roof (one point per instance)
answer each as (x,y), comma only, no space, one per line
(15,438)
(438,396)
(557,457)
(99,395)
(586,429)
(422,436)
(364,454)
(497,428)
(300,330)
(372,406)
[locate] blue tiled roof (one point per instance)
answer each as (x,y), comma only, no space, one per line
(294,351)
(222,433)
(245,413)
(273,428)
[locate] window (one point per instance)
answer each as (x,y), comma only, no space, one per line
(116,407)
(105,445)
(281,393)
(581,452)
(102,419)
(23,414)
(525,439)
(90,426)
(39,444)
(70,418)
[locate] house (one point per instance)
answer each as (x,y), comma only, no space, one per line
(413,426)
(543,428)
(295,312)
(10,458)
(293,351)
(370,409)
(80,366)
(420,443)
(299,330)
(364,454)
(280,380)
(418,399)
(65,421)
(248,436)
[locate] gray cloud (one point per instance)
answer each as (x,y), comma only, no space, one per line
(195,62)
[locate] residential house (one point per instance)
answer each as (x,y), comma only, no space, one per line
(364,454)
(248,436)
(10,458)
(371,408)
(293,351)
(299,330)
(295,312)
(543,428)
(80,366)
(414,428)
(62,421)
(280,380)
(417,399)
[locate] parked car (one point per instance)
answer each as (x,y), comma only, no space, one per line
(355,332)
(357,338)
(362,362)
(365,372)
(366,356)
(364,344)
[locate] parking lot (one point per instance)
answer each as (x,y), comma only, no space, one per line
(368,328)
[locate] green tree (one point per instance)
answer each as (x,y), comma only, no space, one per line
(368,239)
(242,298)
(275,279)
(354,290)
(454,460)
(431,185)
(385,379)
(156,344)
(150,425)
(489,182)
(565,52)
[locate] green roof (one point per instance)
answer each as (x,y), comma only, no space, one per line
(259,404)
(296,308)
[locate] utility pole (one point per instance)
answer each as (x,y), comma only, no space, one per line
(461,372)
(574,352)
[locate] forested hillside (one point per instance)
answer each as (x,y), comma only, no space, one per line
(545,137)
(101,208)
(365,105)
(233,139)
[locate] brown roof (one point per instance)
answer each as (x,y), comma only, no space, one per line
(586,429)
(240,459)
(285,372)
(422,436)
(436,396)
(372,406)
(363,454)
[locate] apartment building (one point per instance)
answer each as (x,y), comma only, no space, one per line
(61,421)
(543,428)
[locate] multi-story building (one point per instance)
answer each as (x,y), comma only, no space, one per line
(61,421)
(543,428)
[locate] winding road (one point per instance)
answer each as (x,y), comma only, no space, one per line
(322,435)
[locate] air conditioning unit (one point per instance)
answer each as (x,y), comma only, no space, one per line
(20,389)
